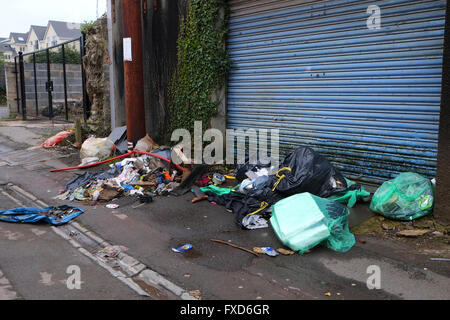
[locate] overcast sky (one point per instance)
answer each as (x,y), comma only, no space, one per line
(18,15)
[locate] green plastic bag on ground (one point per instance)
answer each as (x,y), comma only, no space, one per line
(408,197)
(304,221)
(218,190)
(350,197)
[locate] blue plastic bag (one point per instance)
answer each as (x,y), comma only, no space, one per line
(54,216)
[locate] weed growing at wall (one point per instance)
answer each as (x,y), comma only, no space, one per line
(202,67)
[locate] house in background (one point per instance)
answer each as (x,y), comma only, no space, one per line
(41,37)
(8,52)
(58,32)
(18,41)
(35,38)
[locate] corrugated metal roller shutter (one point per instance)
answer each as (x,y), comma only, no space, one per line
(367,99)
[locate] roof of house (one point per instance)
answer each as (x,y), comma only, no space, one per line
(7,48)
(40,31)
(19,37)
(66,30)
(3,40)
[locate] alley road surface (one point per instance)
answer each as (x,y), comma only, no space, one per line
(34,259)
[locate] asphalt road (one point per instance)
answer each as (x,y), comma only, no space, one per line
(35,261)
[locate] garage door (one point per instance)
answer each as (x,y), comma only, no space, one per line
(359,81)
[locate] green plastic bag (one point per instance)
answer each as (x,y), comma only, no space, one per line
(304,221)
(408,197)
(218,190)
(350,197)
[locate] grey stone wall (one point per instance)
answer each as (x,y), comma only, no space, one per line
(74,83)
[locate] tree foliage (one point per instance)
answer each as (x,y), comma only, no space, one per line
(72,56)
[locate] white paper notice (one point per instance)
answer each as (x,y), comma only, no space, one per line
(127,52)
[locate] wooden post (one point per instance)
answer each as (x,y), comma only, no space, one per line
(133,70)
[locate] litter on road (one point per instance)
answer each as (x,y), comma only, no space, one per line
(54,216)
(183,249)
(234,246)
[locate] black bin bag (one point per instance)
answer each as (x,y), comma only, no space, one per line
(305,170)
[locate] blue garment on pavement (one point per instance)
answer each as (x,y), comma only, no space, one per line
(54,216)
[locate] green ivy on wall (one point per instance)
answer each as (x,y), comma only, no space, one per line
(203,64)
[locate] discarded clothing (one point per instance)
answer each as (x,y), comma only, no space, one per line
(241,206)
(54,216)
(86,178)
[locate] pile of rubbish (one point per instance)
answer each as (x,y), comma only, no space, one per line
(306,200)
(142,176)
(138,173)
(293,199)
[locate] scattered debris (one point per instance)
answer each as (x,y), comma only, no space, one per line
(199,195)
(286,252)
(412,233)
(440,259)
(112,206)
(146,144)
(328,294)
(111,252)
(218,179)
(258,250)
(270,252)
(55,140)
(196,294)
(234,246)
(183,249)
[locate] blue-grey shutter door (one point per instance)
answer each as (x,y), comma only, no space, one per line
(367,99)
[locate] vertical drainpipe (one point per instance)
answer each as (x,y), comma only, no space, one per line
(133,70)
(442,207)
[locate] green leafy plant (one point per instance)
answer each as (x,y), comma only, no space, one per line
(2,59)
(3,96)
(72,56)
(203,64)
(86,26)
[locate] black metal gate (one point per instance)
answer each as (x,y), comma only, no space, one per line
(51,83)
